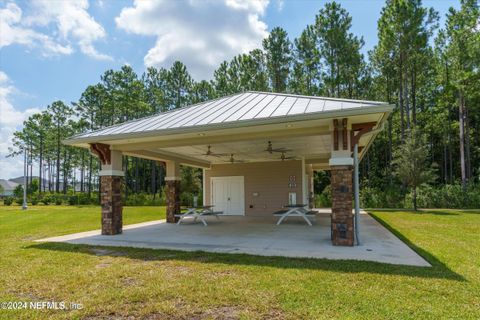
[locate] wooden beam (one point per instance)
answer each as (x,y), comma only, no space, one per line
(344,134)
(162,156)
(335,134)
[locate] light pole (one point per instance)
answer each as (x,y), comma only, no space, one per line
(24,206)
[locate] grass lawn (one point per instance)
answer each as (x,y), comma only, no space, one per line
(160,284)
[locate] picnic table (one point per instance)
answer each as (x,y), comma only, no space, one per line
(295,210)
(198,213)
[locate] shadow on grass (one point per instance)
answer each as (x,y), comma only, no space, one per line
(436,264)
(438,270)
(420,211)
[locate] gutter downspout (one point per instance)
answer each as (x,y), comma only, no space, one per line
(356,183)
(356,193)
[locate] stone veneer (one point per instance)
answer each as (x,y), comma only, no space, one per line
(111,203)
(342,216)
(173,200)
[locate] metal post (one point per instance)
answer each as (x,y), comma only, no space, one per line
(356,192)
(24,205)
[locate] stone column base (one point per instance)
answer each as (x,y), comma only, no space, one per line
(111,203)
(173,200)
(342,216)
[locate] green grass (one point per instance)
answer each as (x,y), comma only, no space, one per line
(159,284)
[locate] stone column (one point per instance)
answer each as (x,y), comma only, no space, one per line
(111,186)
(341,166)
(342,217)
(172,182)
(111,203)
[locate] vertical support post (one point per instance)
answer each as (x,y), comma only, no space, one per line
(24,205)
(342,216)
(172,182)
(111,202)
(204,183)
(304,183)
(111,185)
(341,166)
(356,187)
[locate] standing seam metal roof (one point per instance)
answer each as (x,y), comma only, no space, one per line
(239,107)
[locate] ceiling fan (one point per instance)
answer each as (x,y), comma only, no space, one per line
(210,153)
(283,157)
(271,150)
(233,160)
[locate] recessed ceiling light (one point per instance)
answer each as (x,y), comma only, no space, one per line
(289,125)
(201,134)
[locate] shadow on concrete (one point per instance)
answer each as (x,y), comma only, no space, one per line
(438,270)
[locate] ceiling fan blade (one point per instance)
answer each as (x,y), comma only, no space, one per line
(281,150)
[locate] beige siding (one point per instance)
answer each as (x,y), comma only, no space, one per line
(269,179)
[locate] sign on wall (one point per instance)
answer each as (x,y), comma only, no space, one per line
(292,183)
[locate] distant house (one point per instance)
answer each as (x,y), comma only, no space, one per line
(45,184)
(7,187)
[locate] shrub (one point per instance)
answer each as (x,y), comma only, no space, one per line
(8,201)
(19,201)
(73,200)
(186,199)
(46,199)
(324,200)
(34,200)
(145,199)
(58,199)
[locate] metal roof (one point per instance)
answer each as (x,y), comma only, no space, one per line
(247,107)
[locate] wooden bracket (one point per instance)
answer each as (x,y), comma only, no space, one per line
(344,134)
(102,151)
(358,130)
(335,134)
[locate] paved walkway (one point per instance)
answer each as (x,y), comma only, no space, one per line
(258,236)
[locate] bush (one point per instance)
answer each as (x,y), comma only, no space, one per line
(450,196)
(19,201)
(34,200)
(324,200)
(73,200)
(8,201)
(186,199)
(145,199)
(46,199)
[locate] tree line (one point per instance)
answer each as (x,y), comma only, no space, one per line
(429,72)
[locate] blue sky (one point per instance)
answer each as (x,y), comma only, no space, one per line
(52,50)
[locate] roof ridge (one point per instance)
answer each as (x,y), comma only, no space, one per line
(317,97)
(155,115)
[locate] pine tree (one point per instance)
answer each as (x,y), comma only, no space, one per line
(278,53)
(411,163)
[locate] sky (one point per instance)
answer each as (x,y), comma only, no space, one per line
(52,49)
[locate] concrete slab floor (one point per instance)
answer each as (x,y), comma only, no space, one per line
(258,236)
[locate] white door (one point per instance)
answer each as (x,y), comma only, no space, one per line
(228,195)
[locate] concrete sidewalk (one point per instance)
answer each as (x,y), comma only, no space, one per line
(258,236)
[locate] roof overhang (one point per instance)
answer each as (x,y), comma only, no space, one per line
(307,133)
(222,128)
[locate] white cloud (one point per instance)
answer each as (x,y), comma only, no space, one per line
(280,4)
(200,33)
(11,120)
(71,22)
(13,32)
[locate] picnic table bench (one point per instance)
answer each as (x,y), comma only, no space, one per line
(198,213)
(295,210)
